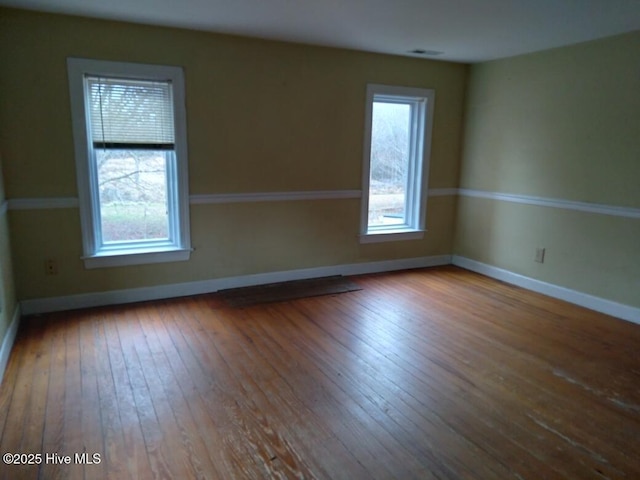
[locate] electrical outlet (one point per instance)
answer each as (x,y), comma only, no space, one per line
(540,255)
(51,266)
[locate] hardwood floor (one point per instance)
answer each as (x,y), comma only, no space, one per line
(431,374)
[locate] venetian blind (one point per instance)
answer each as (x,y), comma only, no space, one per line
(130,113)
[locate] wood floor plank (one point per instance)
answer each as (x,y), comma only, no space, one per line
(72,439)
(548,374)
(303,433)
(402,375)
(235,432)
(9,382)
(202,406)
(114,454)
(375,400)
(309,400)
(272,447)
(323,392)
(137,460)
(191,435)
(92,434)
(164,461)
(186,447)
(532,394)
(433,373)
(53,435)
(377,371)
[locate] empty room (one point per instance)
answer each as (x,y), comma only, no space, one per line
(355,240)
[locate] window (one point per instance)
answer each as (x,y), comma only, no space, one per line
(396,162)
(129,130)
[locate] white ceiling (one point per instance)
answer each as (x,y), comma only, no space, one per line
(464,30)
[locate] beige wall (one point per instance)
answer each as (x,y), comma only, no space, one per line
(561,124)
(276,117)
(262,117)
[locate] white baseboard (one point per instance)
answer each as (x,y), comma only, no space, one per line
(8,340)
(625,312)
(113,297)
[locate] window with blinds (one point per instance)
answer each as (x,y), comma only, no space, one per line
(129,130)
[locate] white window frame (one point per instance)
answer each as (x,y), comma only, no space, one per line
(422,102)
(97,254)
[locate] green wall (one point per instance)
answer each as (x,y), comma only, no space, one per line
(261,116)
(561,124)
(8,303)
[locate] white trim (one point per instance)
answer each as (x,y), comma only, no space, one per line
(620,310)
(52,304)
(614,210)
(603,209)
(273,196)
(392,235)
(213,198)
(141,256)
(42,203)
(8,341)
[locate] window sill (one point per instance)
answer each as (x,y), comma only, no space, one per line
(123,258)
(391,235)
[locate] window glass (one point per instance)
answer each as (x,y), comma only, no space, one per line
(390,137)
(133,194)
